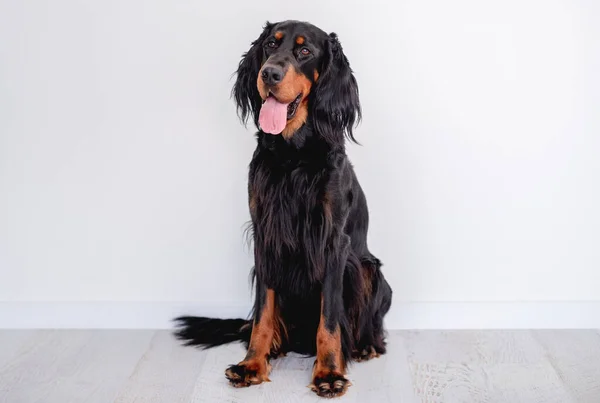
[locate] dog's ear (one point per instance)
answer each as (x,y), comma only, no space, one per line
(336,106)
(245,92)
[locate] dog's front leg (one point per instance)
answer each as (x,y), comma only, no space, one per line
(330,365)
(255,368)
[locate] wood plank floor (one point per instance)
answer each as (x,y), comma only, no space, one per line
(102,366)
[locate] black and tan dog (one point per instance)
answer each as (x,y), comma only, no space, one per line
(319,291)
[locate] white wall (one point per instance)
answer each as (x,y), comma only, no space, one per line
(480,137)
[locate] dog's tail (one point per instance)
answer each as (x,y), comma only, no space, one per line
(209,332)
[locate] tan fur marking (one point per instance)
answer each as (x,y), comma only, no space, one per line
(262,339)
(292,85)
(295,83)
(297,121)
(330,364)
(329,349)
(279,332)
(316,75)
(252,203)
(278,35)
(367,354)
(300,40)
(329,344)
(366,274)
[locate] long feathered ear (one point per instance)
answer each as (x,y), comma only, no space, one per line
(245,93)
(336,104)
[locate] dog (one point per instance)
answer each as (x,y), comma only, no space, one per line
(319,291)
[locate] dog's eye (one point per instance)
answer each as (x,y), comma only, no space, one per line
(271,44)
(305,51)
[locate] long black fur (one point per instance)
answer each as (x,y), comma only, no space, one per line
(309,213)
(209,332)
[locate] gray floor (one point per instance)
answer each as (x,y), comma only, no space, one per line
(425,366)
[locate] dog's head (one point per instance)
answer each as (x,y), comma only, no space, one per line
(296,73)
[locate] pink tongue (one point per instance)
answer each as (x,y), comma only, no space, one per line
(273,116)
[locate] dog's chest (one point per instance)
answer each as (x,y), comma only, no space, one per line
(286,204)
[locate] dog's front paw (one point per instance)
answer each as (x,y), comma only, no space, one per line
(248,373)
(329,384)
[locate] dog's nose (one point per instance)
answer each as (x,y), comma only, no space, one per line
(272,75)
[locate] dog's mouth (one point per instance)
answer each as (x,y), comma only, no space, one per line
(274,114)
(293,106)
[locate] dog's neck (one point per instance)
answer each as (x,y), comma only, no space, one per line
(305,142)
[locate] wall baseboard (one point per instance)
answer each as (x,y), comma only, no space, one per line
(404,315)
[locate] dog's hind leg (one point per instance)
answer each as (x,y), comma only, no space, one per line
(379,298)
